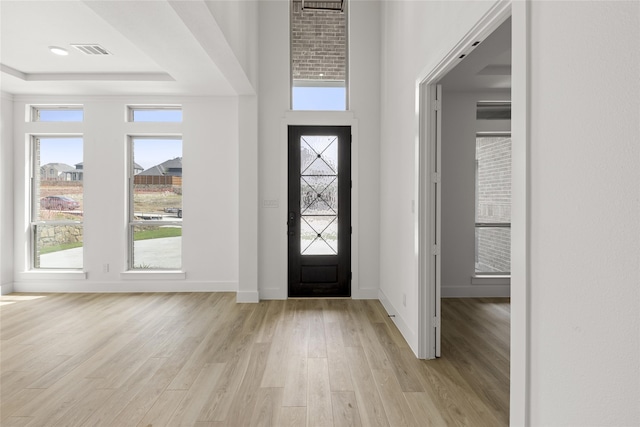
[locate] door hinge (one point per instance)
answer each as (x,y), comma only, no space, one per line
(435,250)
(435,177)
(351,229)
(351,275)
(436,322)
(437,105)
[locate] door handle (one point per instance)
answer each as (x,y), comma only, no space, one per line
(291,221)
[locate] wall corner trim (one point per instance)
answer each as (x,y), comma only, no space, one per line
(6,289)
(409,335)
(247,297)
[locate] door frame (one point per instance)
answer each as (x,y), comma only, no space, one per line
(318,118)
(426,224)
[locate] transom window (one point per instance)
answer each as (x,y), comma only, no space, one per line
(170,113)
(318,55)
(57,113)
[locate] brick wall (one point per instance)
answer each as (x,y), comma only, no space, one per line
(493,203)
(318,44)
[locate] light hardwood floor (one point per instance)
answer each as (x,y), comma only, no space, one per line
(200,359)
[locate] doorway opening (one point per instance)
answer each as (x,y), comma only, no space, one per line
(432,111)
(463,190)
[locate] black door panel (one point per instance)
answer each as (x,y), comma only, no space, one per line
(319,219)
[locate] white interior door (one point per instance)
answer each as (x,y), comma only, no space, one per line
(437,208)
(429,222)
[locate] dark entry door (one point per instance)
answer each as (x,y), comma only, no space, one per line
(319,215)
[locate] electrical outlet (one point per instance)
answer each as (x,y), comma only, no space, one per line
(105,268)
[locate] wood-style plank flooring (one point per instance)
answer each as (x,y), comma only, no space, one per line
(200,359)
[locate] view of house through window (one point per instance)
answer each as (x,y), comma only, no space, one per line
(319,55)
(57,202)
(493,203)
(155,236)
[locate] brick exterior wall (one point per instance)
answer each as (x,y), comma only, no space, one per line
(493,155)
(318,44)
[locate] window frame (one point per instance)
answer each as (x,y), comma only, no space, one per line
(131,221)
(477,224)
(34,222)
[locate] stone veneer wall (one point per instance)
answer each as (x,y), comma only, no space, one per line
(54,235)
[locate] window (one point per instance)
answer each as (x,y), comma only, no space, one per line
(155,203)
(493,203)
(57,113)
(57,196)
(318,55)
(155,113)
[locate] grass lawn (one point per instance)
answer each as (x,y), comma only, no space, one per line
(61,247)
(157,233)
(139,235)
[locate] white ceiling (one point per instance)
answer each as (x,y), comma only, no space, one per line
(157,48)
(487,67)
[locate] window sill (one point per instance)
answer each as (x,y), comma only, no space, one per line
(491,280)
(52,275)
(153,275)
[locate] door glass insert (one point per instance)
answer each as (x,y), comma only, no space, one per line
(319,195)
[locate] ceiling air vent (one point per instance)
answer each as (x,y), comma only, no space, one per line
(91,49)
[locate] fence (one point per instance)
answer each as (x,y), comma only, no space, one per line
(157,180)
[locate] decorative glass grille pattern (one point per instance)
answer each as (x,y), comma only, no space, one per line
(319,195)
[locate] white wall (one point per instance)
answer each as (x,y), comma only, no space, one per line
(6,193)
(585,213)
(364,62)
(459,128)
(416,36)
(238,20)
(583,298)
(364,99)
(210,195)
(248,200)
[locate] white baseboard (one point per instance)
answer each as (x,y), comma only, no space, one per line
(6,289)
(409,335)
(124,287)
(272,293)
(476,291)
(364,293)
(247,296)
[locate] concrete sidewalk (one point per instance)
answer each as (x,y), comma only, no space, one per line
(165,253)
